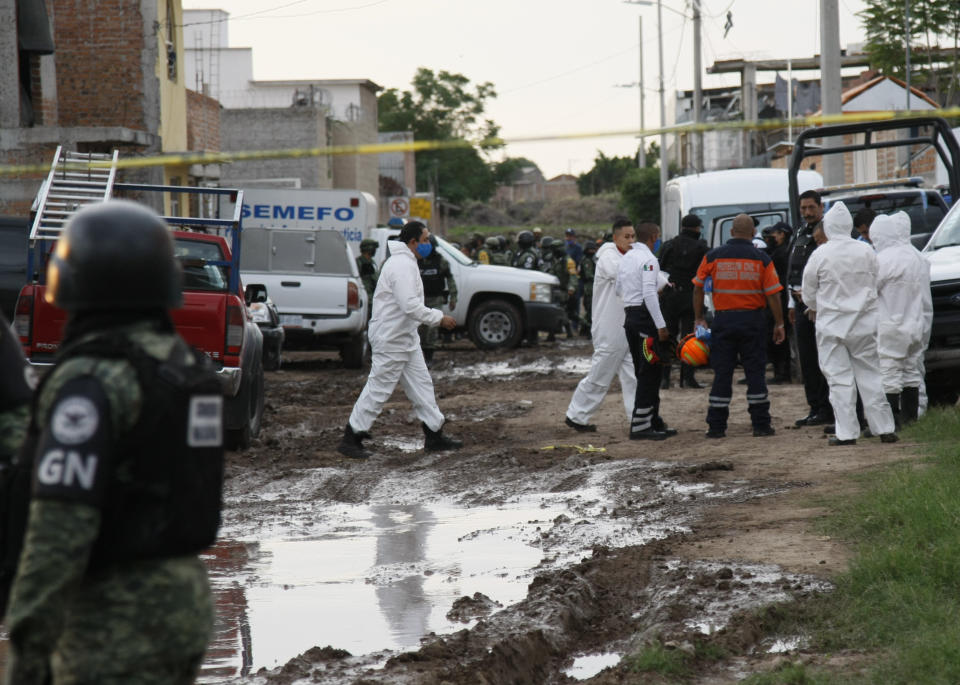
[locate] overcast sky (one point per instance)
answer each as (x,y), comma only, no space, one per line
(556,64)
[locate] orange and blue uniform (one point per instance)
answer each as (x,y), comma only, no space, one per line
(743,277)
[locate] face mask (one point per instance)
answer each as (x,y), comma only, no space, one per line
(656,246)
(424,249)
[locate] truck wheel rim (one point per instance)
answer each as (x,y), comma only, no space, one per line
(495,327)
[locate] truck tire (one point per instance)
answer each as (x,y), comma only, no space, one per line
(271,356)
(240,438)
(495,324)
(353,352)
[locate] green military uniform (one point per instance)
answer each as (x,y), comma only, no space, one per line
(565,269)
(144,621)
(368,270)
(439,288)
(587,269)
(16,388)
(527,258)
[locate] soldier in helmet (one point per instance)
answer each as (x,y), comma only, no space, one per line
(497,246)
(526,257)
(546,254)
(368,269)
(586,271)
(127,459)
(439,288)
(486,251)
(565,269)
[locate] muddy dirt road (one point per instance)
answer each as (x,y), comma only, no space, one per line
(533,555)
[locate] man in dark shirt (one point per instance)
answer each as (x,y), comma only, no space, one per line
(778,247)
(680,258)
(803,244)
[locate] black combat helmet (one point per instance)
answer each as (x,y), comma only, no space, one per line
(114,255)
(525,239)
(546,242)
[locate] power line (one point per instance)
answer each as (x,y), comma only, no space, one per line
(571,71)
(252,15)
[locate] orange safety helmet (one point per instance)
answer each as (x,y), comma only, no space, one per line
(692,351)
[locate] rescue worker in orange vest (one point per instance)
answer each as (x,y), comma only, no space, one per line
(745,282)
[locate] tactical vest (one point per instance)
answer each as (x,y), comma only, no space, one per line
(681,258)
(164,495)
(432,277)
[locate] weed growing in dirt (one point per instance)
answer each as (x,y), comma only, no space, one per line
(901,596)
(658,659)
(788,674)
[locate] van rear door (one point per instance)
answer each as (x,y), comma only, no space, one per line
(720,232)
(294,265)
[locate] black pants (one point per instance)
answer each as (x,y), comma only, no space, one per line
(738,336)
(814,384)
(677,307)
(646,403)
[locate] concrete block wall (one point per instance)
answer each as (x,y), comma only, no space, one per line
(276,129)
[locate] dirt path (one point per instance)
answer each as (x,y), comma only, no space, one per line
(689,532)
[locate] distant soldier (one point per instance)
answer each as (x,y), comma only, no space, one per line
(527,257)
(586,271)
(546,254)
(125,442)
(439,288)
(498,250)
(368,269)
(489,248)
(565,269)
(16,388)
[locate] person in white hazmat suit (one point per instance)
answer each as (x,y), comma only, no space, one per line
(905,313)
(840,288)
(398,311)
(611,353)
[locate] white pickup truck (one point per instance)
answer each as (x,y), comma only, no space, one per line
(312,278)
(495,304)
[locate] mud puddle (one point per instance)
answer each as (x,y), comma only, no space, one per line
(577,366)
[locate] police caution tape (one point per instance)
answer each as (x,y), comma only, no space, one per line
(418,146)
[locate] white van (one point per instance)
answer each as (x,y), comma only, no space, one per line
(717,196)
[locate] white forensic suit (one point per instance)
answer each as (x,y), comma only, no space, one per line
(905,306)
(840,285)
(611,354)
(398,311)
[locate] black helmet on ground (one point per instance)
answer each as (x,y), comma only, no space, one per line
(114,255)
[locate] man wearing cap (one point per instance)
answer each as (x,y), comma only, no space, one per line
(778,247)
(680,257)
(744,284)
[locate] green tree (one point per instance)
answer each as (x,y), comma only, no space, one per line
(606,175)
(640,194)
(445,107)
(933,23)
(503,172)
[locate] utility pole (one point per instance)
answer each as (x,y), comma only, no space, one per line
(663,113)
(830,82)
(697,86)
(906,39)
(642,157)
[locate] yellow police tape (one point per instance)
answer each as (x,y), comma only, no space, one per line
(417,146)
(578,448)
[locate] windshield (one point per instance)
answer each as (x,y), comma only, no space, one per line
(709,214)
(726,224)
(923,207)
(949,231)
(454,252)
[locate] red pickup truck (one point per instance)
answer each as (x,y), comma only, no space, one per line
(214,318)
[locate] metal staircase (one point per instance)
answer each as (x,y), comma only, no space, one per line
(71,184)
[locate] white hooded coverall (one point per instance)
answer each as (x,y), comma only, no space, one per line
(611,354)
(840,285)
(398,311)
(904,305)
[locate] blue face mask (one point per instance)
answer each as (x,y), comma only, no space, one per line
(424,249)
(656,246)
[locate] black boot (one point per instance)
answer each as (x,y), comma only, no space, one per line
(687,378)
(665,377)
(909,405)
(437,441)
(428,357)
(893,399)
(351,445)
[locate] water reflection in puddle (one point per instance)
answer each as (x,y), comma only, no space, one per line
(588,666)
(577,366)
(378,580)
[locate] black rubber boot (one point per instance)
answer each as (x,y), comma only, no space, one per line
(428,357)
(687,379)
(893,399)
(351,445)
(437,441)
(909,405)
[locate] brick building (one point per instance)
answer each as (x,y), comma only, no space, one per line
(95,77)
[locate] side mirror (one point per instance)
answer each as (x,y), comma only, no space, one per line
(255,292)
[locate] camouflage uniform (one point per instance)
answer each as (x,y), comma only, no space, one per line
(527,258)
(17,384)
(368,267)
(565,269)
(145,621)
(588,268)
(439,288)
